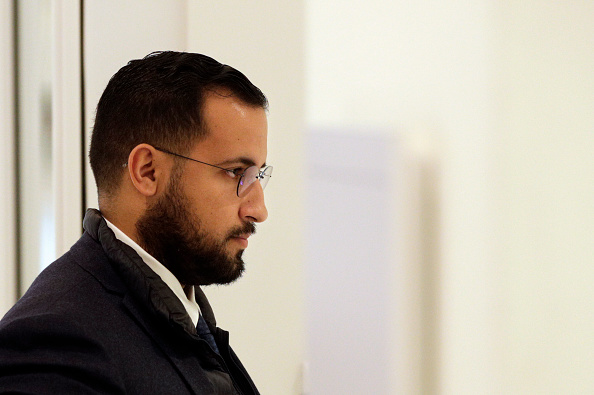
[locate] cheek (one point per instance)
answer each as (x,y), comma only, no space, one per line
(214,205)
(217,215)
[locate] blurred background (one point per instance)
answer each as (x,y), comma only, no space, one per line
(432,209)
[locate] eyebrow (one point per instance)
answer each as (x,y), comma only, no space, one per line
(242,159)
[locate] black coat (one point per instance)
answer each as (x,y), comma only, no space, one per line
(100,321)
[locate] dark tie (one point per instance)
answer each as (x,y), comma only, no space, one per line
(204,333)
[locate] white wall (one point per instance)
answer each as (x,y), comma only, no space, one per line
(545,190)
(7,174)
(264,310)
(504,92)
(116,32)
(417,68)
(66,124)
(36,217)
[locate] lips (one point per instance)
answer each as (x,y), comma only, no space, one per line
(242,239)
(241,234)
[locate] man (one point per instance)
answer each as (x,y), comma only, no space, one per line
(178,152)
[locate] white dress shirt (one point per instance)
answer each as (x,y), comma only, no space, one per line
(187,298)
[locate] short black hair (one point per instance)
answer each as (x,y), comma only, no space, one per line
(158,100)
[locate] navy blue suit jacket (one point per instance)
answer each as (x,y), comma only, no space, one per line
(83,328)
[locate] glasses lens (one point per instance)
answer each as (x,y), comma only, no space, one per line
(250,175)
(265,176)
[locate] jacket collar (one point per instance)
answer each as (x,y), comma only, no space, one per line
(144,284)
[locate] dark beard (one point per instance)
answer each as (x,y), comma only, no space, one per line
(167,232)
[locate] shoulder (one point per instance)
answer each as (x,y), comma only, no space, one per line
(81,286)
(43,352)
(54,333)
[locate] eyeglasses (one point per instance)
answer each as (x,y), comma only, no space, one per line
(246,179)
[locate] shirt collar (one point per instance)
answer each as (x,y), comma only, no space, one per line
(187,297)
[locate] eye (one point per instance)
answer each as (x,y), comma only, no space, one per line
(234,172)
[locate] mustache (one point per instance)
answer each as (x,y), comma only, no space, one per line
(247,228)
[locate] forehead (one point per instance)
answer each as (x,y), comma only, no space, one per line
(234,129)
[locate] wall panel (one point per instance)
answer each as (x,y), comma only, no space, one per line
(8,278)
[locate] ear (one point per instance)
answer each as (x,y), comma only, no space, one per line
(147,173)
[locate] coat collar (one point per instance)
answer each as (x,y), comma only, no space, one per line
(144,284)
(142,288)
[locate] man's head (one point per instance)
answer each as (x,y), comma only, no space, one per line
(158,100)
(186,213)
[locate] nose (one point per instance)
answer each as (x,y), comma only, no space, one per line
(253,208)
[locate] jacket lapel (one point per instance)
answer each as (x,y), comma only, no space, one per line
(190,356)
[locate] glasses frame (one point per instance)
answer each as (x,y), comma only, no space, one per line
(259,175)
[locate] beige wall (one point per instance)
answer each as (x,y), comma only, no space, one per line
(422,72)
(116,32)
(7,175)
(545,190)
(501,93)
